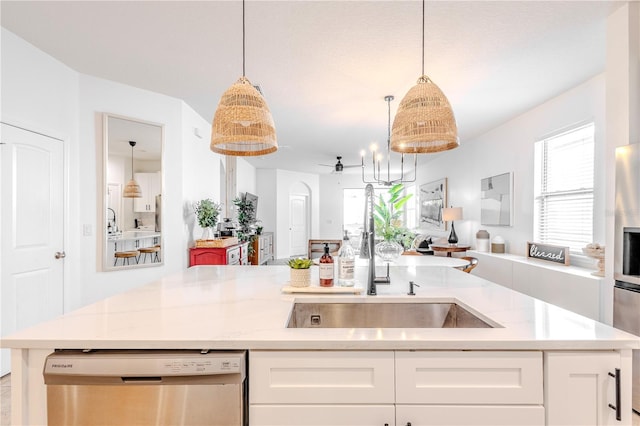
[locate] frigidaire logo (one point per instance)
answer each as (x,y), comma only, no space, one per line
(61,365)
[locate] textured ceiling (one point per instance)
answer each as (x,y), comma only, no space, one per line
(325,66)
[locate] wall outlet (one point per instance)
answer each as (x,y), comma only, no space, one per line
(86,230)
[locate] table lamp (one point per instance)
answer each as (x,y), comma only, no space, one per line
(452,214)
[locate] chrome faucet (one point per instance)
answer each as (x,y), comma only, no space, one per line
(367,245)
(111,225)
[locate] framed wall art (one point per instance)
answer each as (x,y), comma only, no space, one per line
(496,200)
(433,199)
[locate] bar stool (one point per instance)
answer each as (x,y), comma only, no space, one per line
(152,252)
(125,255)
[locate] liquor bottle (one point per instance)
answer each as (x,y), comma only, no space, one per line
(346,263)
(326,268)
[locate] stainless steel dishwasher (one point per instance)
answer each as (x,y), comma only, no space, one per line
(146,388)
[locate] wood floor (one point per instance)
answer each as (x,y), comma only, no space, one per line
(5,399)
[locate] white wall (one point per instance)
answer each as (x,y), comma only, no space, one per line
(200,171)
(273,188)
(42,94)
(507,148)
(266,189)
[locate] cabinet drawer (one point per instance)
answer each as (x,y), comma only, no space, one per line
(470,415)
(299,377)
(457,377)
(233,256)
(322,415)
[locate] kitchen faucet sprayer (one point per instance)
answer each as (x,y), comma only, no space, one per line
(371,235)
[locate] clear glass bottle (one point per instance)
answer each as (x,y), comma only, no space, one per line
(326,268)
(346,263)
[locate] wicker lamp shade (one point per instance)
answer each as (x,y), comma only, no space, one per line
(242,124)
(132,190)
(424,122)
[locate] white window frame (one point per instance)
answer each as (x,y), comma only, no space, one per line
(549,192)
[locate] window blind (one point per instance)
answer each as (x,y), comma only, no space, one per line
(564,188)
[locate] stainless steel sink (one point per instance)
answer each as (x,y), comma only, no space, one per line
(382,315)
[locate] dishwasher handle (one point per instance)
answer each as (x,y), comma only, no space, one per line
(141,380)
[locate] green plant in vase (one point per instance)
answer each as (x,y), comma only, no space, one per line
(207,212)
(246,218)
(388,224)
(300,272)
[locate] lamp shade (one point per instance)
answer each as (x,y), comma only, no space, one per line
(452,213)
(424,122)
(242,124)
(132,190)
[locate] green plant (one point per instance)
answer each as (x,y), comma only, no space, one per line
(387,216)
(300,263)
(207,212)
(246,213)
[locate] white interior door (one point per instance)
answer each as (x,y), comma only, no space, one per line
(31,230)
(298,218)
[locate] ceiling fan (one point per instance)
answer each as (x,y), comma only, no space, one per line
(338,167)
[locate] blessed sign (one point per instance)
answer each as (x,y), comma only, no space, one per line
(548,252)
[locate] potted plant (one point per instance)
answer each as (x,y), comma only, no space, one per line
(246,218)
(300,272)
(207,212)
(387,217)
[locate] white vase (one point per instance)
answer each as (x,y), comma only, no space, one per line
(300,277)
(207,233)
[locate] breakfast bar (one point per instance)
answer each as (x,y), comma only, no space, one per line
(532,349)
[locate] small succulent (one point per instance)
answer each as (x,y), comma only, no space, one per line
(300,263)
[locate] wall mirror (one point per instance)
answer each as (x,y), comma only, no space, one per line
(132,226)
(496,200)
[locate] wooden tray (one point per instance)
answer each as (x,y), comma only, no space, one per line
(218,243)
(324,290)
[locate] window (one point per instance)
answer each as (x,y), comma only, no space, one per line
(564,172)
(411,207)
(353,210)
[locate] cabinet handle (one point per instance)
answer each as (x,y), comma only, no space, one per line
(617,407)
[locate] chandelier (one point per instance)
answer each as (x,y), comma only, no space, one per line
(376,160)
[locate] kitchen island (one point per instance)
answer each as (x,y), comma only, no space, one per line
(538,358)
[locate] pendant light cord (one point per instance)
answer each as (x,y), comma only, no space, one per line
(243,37)
(422,36)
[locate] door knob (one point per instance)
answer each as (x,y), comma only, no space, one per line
(60,255)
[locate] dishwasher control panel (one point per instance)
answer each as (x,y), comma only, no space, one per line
(145,363)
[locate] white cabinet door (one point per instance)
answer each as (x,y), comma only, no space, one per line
(322,415)
(469,415)
(579,388)
(474,377)
(323,377)
(150,187)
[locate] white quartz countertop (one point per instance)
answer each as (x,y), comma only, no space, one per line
(243,307)
(133,235)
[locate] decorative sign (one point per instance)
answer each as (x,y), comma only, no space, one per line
(556,254)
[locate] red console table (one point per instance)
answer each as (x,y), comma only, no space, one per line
(232,255)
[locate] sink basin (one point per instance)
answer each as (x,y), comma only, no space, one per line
(382,315)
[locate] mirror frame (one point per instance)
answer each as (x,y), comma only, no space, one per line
(105,263)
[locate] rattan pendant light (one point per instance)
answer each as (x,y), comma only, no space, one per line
(424,122)
(132,189)
(242,124)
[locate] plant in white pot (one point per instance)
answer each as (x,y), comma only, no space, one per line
(300,272)
(207,212)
